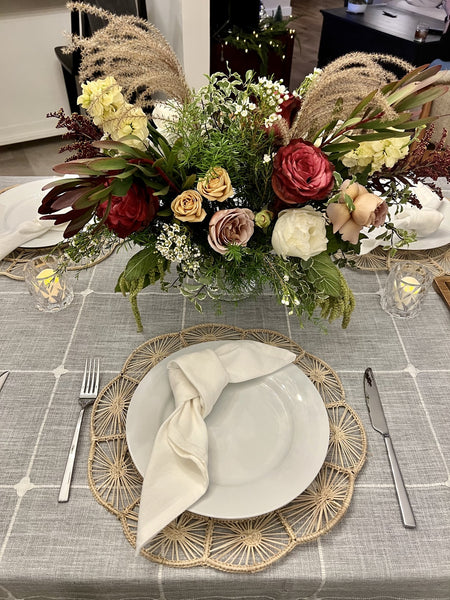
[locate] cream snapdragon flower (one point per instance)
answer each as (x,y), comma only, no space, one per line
(128,120)
(377,154)
(101,99)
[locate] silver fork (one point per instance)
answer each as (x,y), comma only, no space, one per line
(88,393)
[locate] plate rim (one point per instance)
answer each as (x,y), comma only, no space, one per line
(53,232)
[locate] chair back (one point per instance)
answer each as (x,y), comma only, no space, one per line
(85,25)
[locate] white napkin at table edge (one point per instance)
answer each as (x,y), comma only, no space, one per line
(28,230)
(177,473)
(424,221)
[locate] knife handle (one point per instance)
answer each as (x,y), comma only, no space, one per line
(402,495)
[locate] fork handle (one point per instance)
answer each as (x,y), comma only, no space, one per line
(64,490)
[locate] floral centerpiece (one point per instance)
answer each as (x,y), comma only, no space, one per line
(242,184)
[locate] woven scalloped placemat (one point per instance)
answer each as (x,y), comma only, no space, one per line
(11,266)
(246,545)
(437,260)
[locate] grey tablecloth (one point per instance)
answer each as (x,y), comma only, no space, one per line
(77,550)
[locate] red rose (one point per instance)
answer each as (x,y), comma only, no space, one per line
(301,172)
(131,212)
(290,108)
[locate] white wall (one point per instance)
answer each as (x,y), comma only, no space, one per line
(185,25)
(31,76)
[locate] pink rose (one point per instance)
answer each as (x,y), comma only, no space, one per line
(370,210)
(230,226)
(131,212)
(301,172)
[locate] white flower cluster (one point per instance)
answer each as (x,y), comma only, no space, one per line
(272,95)
(309,79)
(243,107)
(175,245)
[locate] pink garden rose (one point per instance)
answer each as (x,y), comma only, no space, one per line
(301,172)
(370,210)
(230,226)
(131,212)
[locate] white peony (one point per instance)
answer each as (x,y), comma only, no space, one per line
(299,232)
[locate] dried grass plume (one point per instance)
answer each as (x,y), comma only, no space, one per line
(341,86)
(135,53)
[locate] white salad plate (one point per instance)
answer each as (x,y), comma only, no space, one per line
(268,438)
(21,204)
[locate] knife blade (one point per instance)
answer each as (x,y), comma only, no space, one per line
(3,378)
(380,425)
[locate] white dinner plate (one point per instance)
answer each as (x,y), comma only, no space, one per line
(268,438)
(438,238)
(21,203)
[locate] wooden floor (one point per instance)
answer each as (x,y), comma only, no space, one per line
(308,24)
(38,157)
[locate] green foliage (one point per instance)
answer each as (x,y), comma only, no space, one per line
(219,128)
(143,269)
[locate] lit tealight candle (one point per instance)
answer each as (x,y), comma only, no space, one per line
(51,286)
(406,290)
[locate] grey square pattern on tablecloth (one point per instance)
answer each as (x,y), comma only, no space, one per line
(77,551)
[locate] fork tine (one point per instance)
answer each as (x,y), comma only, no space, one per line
(97,375)
(83,383)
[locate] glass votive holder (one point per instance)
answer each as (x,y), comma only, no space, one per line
(405,290)
(50,290)
(422,30)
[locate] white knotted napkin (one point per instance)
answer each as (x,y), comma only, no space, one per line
(28,230)
(177,473)
(424,221)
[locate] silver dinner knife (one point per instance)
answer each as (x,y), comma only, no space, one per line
(379,424)
(3,378)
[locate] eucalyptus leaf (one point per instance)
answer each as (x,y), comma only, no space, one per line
(162,192)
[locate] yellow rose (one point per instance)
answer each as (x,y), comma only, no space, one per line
(188,207)
(216,185)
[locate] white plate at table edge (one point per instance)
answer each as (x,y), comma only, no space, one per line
(21,203)
(264,450)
